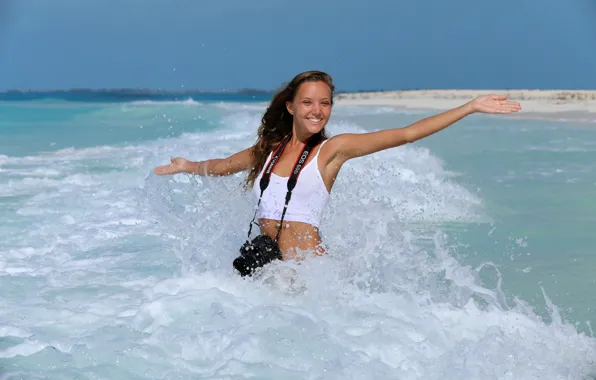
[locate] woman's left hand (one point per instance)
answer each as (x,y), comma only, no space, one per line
(494,104)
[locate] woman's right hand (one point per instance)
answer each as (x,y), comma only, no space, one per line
(178,165)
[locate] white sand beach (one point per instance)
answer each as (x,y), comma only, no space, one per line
(568,105)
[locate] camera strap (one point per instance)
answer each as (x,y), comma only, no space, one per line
(292,180)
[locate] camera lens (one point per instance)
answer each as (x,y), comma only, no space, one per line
(244,265)
(261,251)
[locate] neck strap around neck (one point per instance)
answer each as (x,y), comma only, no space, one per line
(292,180)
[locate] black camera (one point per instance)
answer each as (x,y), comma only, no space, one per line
(256,253)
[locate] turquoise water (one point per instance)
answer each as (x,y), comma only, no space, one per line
(537,181)
(465,255)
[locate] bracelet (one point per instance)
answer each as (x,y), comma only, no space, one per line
(205,168)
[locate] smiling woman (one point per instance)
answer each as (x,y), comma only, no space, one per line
(291,137)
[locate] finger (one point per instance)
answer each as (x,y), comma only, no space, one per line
(498,97)
(511,102)
(511,107)
(510,110)
(516,106)
(500,110)
(508,104)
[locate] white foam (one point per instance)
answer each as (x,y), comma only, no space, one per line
(239,107)
(153,103)
(12,331)
(24,349)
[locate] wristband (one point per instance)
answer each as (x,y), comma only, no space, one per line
(204,168)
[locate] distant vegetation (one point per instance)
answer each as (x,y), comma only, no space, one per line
(148,91)
(135,91)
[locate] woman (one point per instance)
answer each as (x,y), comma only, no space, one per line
(299,111)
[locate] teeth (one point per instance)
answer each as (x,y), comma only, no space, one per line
(315,120)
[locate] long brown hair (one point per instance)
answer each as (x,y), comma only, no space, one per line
(277,121)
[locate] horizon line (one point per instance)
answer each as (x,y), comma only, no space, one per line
(249,91)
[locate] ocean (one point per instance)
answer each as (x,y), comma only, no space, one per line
(466,255)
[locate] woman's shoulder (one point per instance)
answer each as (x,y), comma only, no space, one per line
(329,147)
(333,143)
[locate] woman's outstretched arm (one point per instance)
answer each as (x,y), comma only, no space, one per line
(216,167)
(347,146)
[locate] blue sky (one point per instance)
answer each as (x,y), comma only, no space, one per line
(216,45)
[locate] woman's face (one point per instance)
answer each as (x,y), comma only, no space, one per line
(311,107)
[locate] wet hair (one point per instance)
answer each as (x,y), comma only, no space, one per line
(277,122)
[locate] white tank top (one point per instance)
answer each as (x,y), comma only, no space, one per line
(309,197)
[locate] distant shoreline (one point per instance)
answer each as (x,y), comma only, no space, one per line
(567,105)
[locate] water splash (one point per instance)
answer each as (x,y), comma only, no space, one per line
(111,272)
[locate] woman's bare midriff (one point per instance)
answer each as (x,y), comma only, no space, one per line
(296,238)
